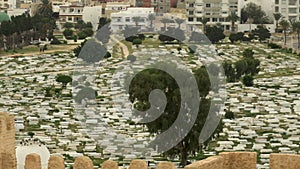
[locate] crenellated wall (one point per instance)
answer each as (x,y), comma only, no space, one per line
(7,142)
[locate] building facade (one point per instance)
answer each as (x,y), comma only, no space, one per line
(215,11)
(70,13)
(121,19)
(290,9)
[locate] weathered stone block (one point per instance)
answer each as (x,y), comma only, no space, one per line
(33,161)
(284,161)
(138,164)
(83,163)
(109,164)
(166,165)
(214,162)
(56,162)
(238,160)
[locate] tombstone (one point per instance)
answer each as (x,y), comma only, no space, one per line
(33,161)
(109,164)
(166,165)
(83,163)
(138,164)
(56,162)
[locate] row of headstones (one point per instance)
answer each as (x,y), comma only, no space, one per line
(226,160)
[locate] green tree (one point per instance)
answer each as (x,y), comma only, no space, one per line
(68,33)
(284,25)
(45,9)
(214,34)
(253,11)
(234,37)
(146,81)
(277,17)
(248,80)
(262,33)
(64,79)
(137,42)
(103,21)
(68,25)
(31,134)
(80,24)
(233,17)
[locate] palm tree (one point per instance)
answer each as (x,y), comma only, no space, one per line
(204,22)
(296,28)
(45,9)
(165,21)
(151,18)
(179,21)
(284,25)
(233,17)
(136,19)
(277,17)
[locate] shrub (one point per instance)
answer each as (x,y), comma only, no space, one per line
(88,31)
(229,115)
(81,35)
(137,41)
(68,33)
(132,58)
(274,46)
(248,80)
(55,41)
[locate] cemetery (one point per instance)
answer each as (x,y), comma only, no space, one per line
(265,118)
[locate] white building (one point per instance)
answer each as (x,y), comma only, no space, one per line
(121,19)
(92,14)
(114,7)
(216,11)
(290,9)
(8,4)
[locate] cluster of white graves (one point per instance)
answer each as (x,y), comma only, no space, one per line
(266,115)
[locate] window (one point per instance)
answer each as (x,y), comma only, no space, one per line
(120,27)
(276,1)
(276,9)
(292,2)
(207,13)
(119,19)
(222,19)
(78,10)
(127,19)
(215,19)
(190,19)
(199,19)
(208,5)
(191,5)
(191,12)
(161,7)
(227,27)
(293,10)
(71,10)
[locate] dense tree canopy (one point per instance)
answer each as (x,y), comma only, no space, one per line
(254,12)
(146,81)
(214,34)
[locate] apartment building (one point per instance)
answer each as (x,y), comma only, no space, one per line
(216,11)
(290,9)
(121,19)
(6,4)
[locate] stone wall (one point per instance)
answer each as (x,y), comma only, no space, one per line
(7,142)
(215,162)
(284,161)
(238,160)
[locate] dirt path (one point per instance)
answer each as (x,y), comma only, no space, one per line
(122,45)
(62,48)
